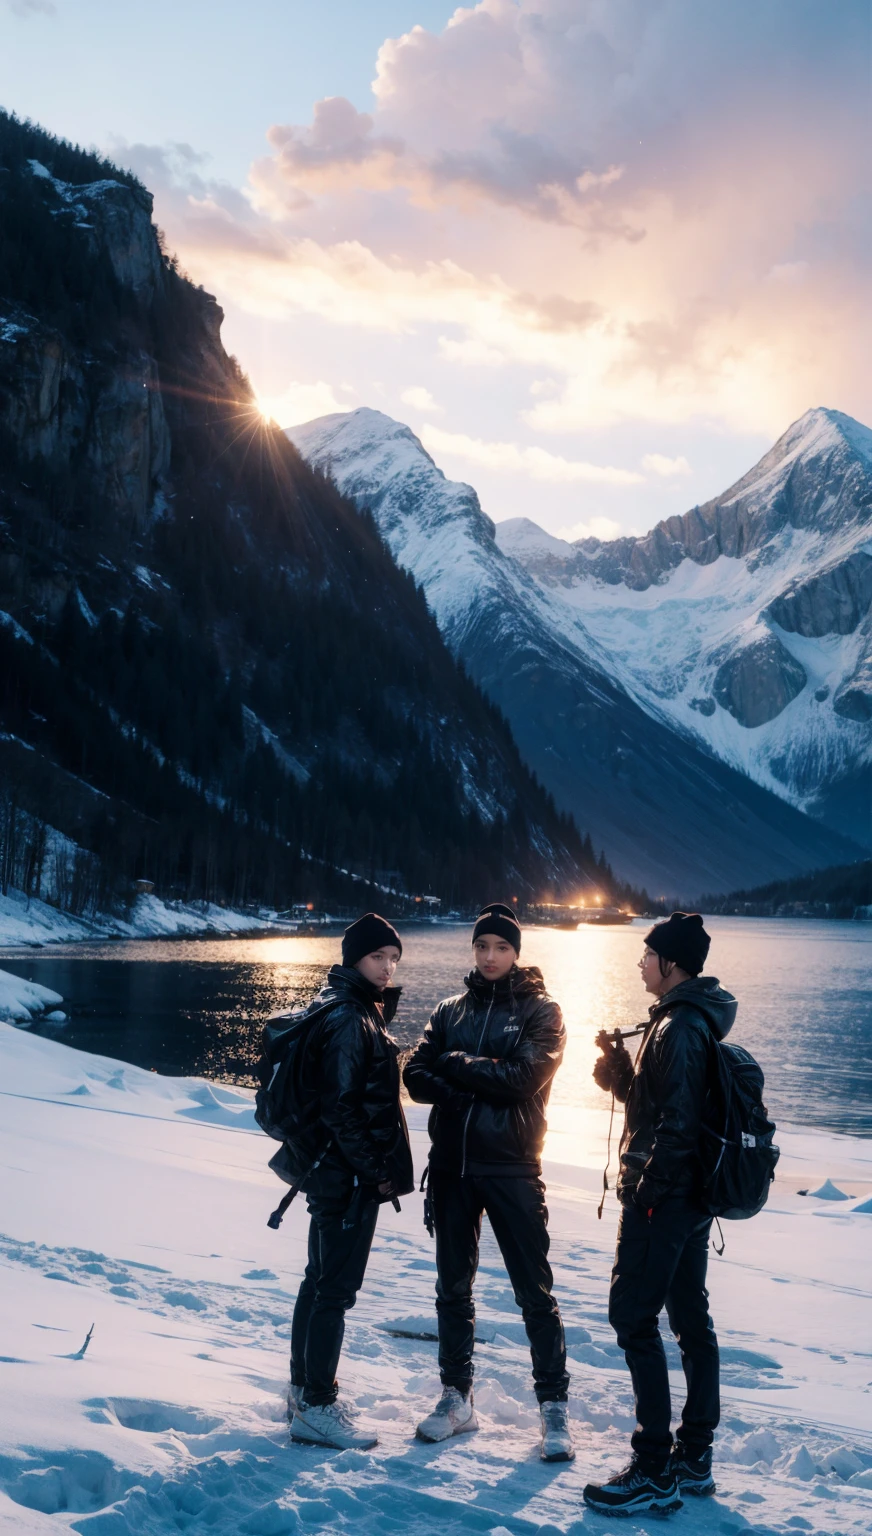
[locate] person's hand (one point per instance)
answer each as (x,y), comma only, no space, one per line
(613,1063)
(387,1188)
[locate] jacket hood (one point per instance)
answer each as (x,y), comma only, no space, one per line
(705,993)
(347,980)
(521,981)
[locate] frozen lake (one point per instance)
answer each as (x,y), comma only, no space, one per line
(193,1007)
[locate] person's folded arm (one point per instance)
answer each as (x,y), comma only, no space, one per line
(520,1076)
(424,1079)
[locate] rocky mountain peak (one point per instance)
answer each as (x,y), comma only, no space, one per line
(382,465)
(597,678)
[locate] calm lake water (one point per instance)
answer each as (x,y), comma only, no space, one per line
(195,1006)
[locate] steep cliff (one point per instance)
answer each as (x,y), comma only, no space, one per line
(212,674)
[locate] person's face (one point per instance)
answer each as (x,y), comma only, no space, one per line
(652,978)
(379,967)
(494,957)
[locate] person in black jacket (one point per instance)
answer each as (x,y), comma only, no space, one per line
(355,1155)
(486,1064)
(663,1236)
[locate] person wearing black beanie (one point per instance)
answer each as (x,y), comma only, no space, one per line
(500,920)
(486,1064)
(351,1151)
(367,935)
(663,1235)
(682,939)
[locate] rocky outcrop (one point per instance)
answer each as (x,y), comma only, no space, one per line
(815,477)
(853,700)
(831,602)
(757,683)
(121,216)
(59,403)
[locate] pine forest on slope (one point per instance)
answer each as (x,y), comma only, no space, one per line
(212,672)
(641,676)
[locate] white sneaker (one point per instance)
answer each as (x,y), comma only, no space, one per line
(294,1396)
(330,1424)
(556,1442)
(454,1414)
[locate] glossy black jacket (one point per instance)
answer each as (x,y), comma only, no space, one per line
(666,1092)
(486,1063)
(350,1080)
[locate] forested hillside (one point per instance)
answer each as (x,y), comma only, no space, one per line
(844,891)
(212,673)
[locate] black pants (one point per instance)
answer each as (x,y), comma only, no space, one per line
(662,1262)
(519,1218)
(340,1238)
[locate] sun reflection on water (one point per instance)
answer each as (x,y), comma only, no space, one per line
(196,1006)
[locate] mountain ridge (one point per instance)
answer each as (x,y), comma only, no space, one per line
(594,737)
(748,621)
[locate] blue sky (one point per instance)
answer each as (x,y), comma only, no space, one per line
(598,253)
(211,75)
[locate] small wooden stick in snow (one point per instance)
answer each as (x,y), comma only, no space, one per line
(80,1353)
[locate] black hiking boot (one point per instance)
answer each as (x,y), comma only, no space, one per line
(634,1491)
(693,1470)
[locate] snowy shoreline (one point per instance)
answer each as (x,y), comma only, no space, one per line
(138,1203)
(27,922)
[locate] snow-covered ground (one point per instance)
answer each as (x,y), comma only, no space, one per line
(138,1204)
(22,1001)
(24,921)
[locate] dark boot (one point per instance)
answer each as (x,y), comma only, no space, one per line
(640,1487)
(693,1469)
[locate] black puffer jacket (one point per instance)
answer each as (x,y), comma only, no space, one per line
(350,1077)
(666,1093)
(485,1064)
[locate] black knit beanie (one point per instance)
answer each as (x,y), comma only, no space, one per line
(366,935)
(681,938)
(501,920)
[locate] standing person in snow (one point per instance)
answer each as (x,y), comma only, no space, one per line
(486,1064)
(358,1141)
(663,1235)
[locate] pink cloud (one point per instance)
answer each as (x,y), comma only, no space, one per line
(664,206)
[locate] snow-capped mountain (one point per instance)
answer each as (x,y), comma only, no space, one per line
(670,812)
(748,621)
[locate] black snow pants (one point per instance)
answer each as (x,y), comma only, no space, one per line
(661,1262)
(519,1217)
(340,1239)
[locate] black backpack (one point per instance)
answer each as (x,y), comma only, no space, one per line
(736,1149)
(278,1106)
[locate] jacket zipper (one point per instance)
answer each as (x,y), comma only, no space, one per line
(478,1053)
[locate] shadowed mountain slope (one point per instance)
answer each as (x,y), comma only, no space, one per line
(213,673)
(669,811)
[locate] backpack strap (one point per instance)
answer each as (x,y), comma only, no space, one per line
(275,1219)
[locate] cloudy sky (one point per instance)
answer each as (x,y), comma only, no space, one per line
(597,253)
